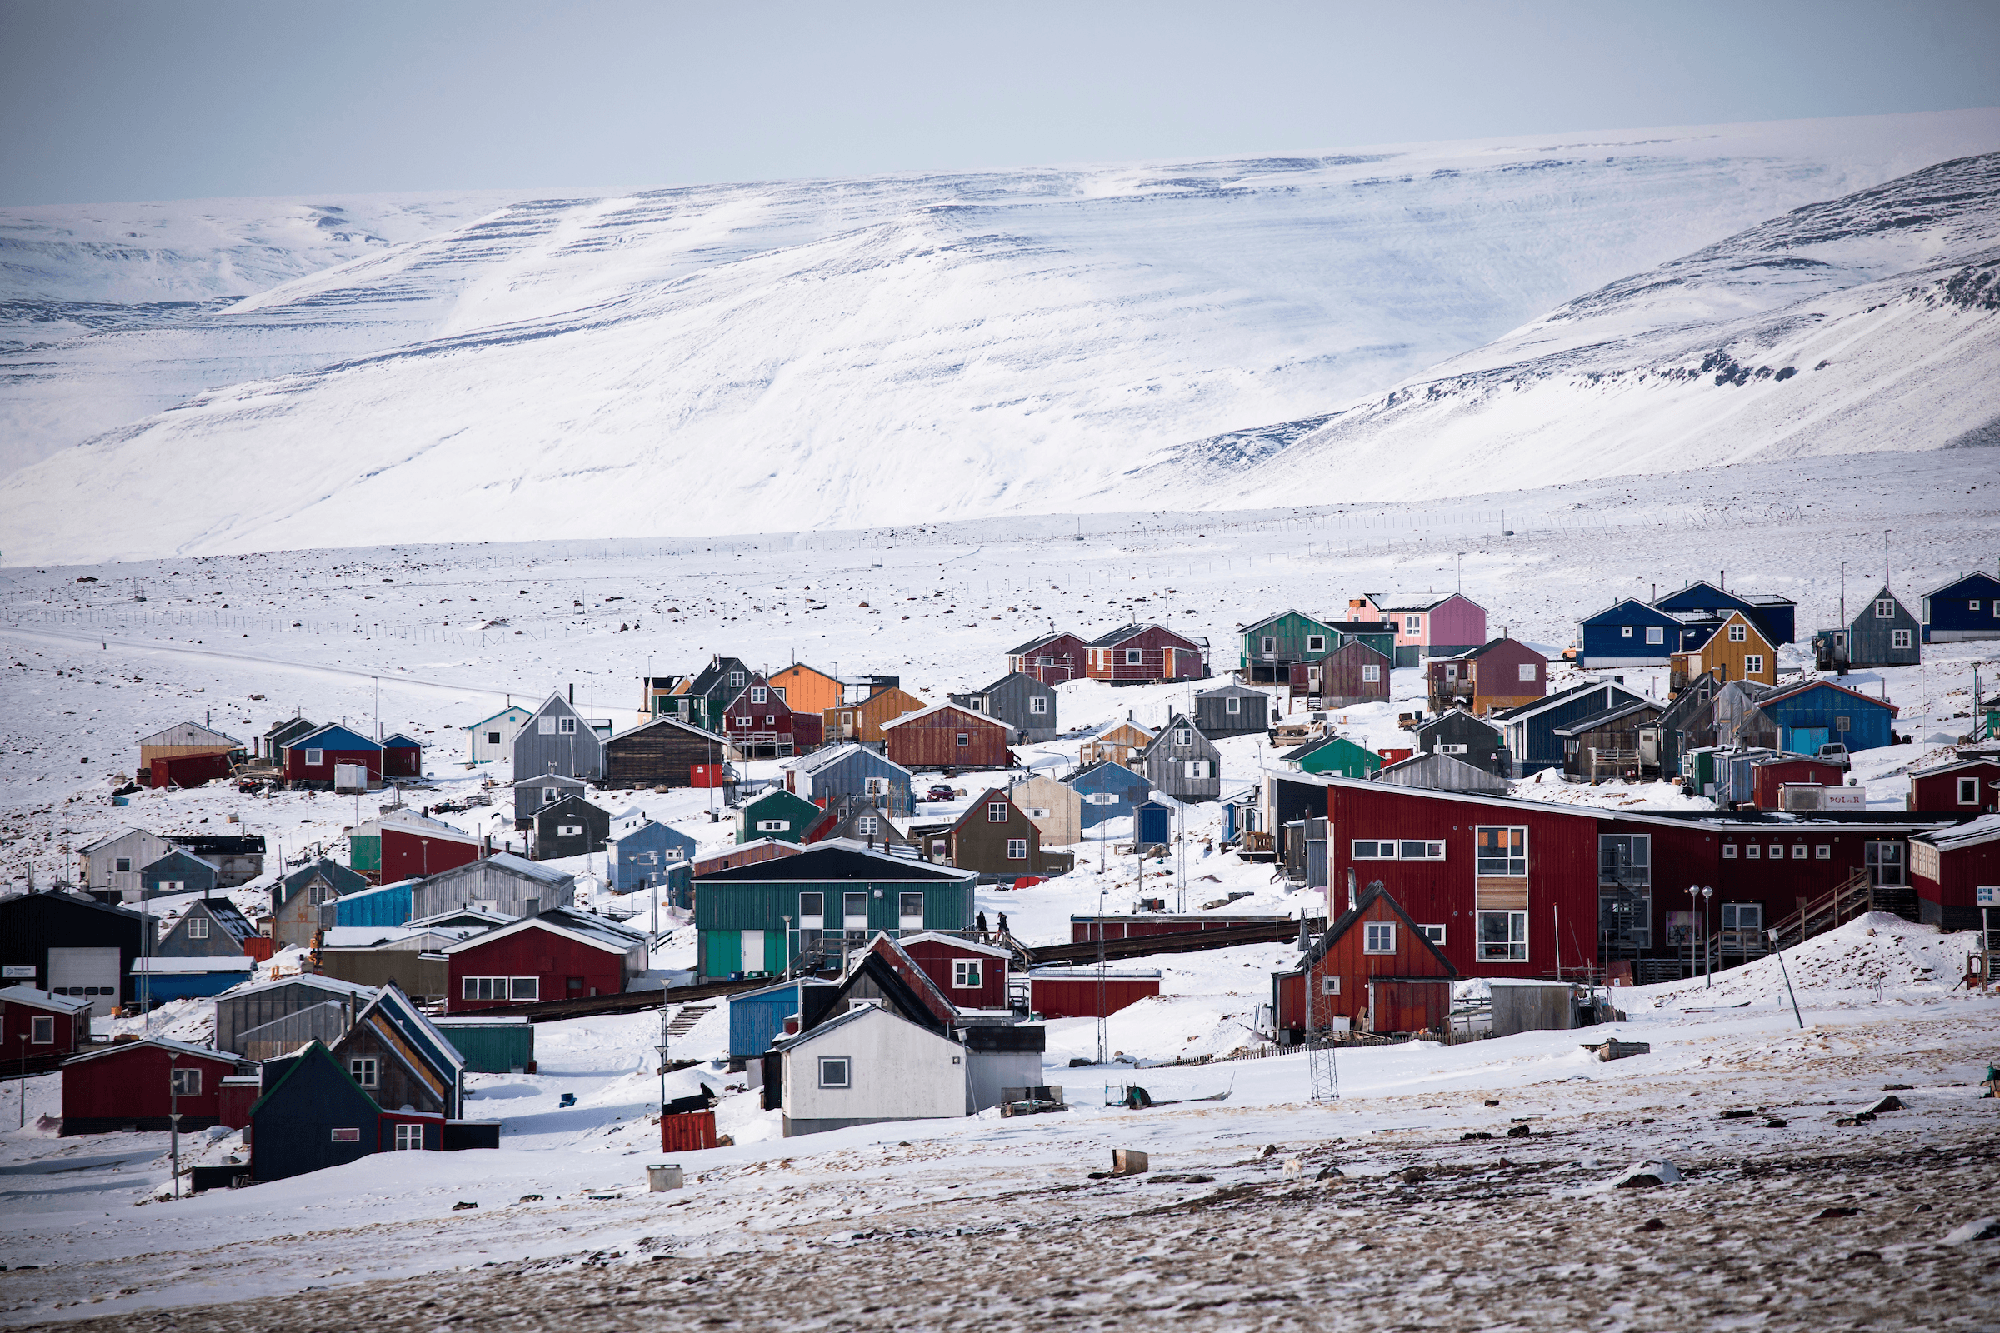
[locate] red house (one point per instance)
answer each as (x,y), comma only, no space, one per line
(1050,659)
(1372,970)
(972,975)
(759,725)
(1072,992)
(947,736)
(133,1085)
(1144,655)
(402,757)
(562,954)
(1954,869)
(1960,786)
(311,760)
(412,851)
(1769,777)
(39,1029)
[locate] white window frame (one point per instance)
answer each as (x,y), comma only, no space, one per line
(501,990)
(866,826)
(759,694)
(197,927)
(1968,791)
(965,974)
(905,918)
(1624,631)
(736,678)
(366,1070)
(774,826)
(185,1082)
(1528,672)
(1039,705)
(996,812)
(41,1030)
(1017,849)
(315,758)
(1753,851)
(1823,851)
(1233,704)
(545,726)
(569,830)
(1753,664)
(1481,864)
(1451,749)
(1435,934)
(1885,608)
(1798,851)
(566,726)
(1197,769)
(1134,657)
(964,738)
(1371,672)
(409,1137)
(1329,985)
(1413,624)
(1656,635)
(836,1073)
(1378,937)
(1729,851)
(1514,949)
(1315,643)
(1739,634)
(1899,638)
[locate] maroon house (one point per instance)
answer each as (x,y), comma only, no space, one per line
(311,760)
(971,975)
(1950,868)
(1144,655)
(947,736)
(1372,970)
(1073,992)
(133,1085)
(1769,778)
(39,1029)
(562,954)
(412,851)
(1351,674)
(1965,785)
(402,757)
(1088,929)
(1501,673)
(759,725)
(1050,659)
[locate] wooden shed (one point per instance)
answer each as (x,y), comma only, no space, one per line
(847,769)
(777,814)
(972,974)
(1770,777)
(297,898)
(502,882)
(212,928)
(40,1029)
(662,752)
(1144,655)
(646,854)
(1333,754)
(1883,634)
(1050,658)
(312,1115)
(1970,784)
(1232,710)
(1354,673)
(864,721)
(1441,772)
(1183,763)
(402,757)
(1373,969)
(1080,992)
(1107,791)
(1021,701)
(111,864)
(1606,744)
(184,740)
(141,1084)
(1116,742)
(492,737)
(179,871)
(945,736)
(247,1008)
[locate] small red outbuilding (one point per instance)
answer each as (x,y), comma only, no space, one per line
(39,1030)
(972,975)
(1769,777)
(1965,785)
(132,1085)
(314,759)
(1072,992)
(1373,970)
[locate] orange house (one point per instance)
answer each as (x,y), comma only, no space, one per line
(863,721)
(805,690)
(1730,649)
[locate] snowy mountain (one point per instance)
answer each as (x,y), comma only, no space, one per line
(1868,323)
(824,353)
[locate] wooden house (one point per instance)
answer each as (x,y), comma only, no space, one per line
(311,1116)
(972,975)
(1730,647)
(1953,870)
(1627,633)
(187,755)
(72,945)
(211,928)
(1354,673)
(401,1059)
(492,738)
(271,745)
(1144,655)
(863,722)
(1963,609)
(1774,617)
(1969,784)
(297,898)
(406,957)
(1606,744)
(646,854)
(1441,772)
(311,761)
(945,736)
(701,699)
(1183,763)
(501,883)
(1458,734)
(746,854)
(664,752)
(570,827)
(237,859)
(329,1005)
(1771,776)
(994,837)
(1530,728)
(1115,742)
(1021,701)
(1333,755)
(850,769)
(532,793)
(1806,716)
(1500,674)
(1107,791)
(777,814)
(177,872)
(1687,723)
(1050,658)
(562,954)
(1883,634)
(1427,624)
(813,908)
(1377,634)
(111,865)
(402,757)
(1271,647)
(758,724)
(1373,969)
(142,1084)
(40,1029)
(804,690)
(558,739)
(1232,710)
(402,844)
(1053,806)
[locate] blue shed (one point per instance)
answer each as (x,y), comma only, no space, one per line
(1155,825)
(1531,728)
(1967,608)
(651,850)
(1109,791)
(1818,712)
(757,1017)
(824,776)
(1628,633)
(158,980)
(386,906)
(178,872)
(312,1115)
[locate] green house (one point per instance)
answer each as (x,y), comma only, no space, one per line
(1336,755)
(780,815)
(1275,643)
(815,908)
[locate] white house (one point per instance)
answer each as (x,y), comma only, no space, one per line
(871,1065)
(493,738)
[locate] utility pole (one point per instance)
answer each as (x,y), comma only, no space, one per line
(174,1115)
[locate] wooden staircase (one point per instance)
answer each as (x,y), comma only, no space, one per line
(1853,897)
(685,1017)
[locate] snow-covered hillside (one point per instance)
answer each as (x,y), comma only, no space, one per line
(1868,323)
(575,366)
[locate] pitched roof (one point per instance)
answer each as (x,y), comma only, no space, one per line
(585,928)
(1114,724)
(1606,717)
(978,807)
(833,754)
(1979,576)
(510,708)
(41,999)
(190,733)
(668,720)
(1254,626)
(1651,612)
(1366,899)
(1570,695)
(163,1043)
(519,865)
(234,924)
(333,736)
(1483,649)
(939,937)
(110,838)
(343,880)
(1783,692)
(1038,641)
(939,708)
(331,985)
(1224,691)
(1124,632)
(550,779)
(1410,601)
(1986,828)
(836,859)
(990,686)
(1435,764)
(402,742)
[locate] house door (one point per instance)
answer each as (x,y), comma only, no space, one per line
(1807,740)
(87,973)
(1884,861)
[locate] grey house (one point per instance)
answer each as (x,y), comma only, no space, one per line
(210,928)
(178,872)
(532,793)
(1443,772)
(112,864)
(570,827)
(557,739)
(502,882)
(1232,710)
(1183,763)
(271,745)
(1019,700)
(242,1010)
(1884,634)
(1458,733)
(297,898)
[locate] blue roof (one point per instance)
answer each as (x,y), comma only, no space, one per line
(1631,611)
(334,737)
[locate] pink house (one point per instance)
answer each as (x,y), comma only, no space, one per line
(1428,624)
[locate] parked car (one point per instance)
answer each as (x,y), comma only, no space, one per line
(1835,753)
(940,792)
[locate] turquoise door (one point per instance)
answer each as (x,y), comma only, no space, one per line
(1807,740)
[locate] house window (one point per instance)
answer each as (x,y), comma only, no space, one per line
(1842,722)
(1329,985)
(1501,851)
(550,795)
(569,830)
(352,1135)
(1039,706)
(865,826)
(736,678)
(1315,643)
(1451,749)
(1270,646)
(1527,671)
(964,738)
(854,911)
(314,758)
(910,911)
(1752,852)
(1753,664)
(1624,631)
(1378,937)
(525,988)
(500,988)
(1823,851)
(965,974)
(1655,634)
(1899,638)
(492,738)
(197,927)
(187,1083)
(1232,704)
(1183,736)
(875,786)
(366,1071)
(779,690)
(758,694)
(1777,851)
(123,865)
(996,812)
(1729,851)
(1743,916)
(1197,768)
(1738,634)
(1968,791)
(1798,851)
(1973,605)
(774,825)
(835,1072)
(1132,657)
(409,1138)
(1503,937)
(1411,624)
(1435,934)
(42,1030)
(1371,673)
(812,911)
(770,719)
(1884,608)
(1389,849)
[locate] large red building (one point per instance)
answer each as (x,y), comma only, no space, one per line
(561,954)
(133,1085)
(1144,655)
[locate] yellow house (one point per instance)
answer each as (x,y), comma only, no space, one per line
(1115,741)
(863,721)
(1735,651)
(805,690)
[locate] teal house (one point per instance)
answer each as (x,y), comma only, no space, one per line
(1272,645)
(1335,756)
(778,814)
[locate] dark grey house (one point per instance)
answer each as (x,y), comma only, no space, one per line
(533,793)
(570,827)
(1465,738)
(1232,710)
(210,928)
(271,745)
(863,820)
(1183,763)
(1019,700)
(558,739)
(179,871)
(1884,634)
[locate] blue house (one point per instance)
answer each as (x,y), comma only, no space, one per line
(389,905)
(1531,728)
(178,872)
(824,776)
(1109,791)
(1808,716)
(1967,608)
(757,1016)
(652,852)
(1628,633)
(1774,616)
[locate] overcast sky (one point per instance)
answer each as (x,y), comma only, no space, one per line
(160,99)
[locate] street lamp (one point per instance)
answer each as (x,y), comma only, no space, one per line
(174,1116)
(1707,963)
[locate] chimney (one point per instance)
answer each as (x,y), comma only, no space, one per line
(572,694)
